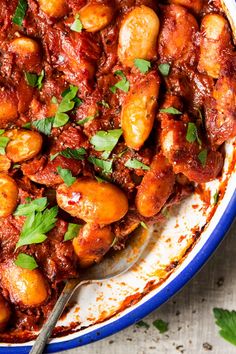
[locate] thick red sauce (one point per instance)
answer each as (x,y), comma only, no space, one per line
(155,162)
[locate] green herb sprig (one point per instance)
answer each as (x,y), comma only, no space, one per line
(143,65)
(20,12)
(37,224)
(25,261)
(122,85)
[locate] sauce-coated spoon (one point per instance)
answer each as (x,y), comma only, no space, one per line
(110,267)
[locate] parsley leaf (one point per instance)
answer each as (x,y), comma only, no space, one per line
(170,110)
(106,166)
(67,104)
(27,125)
(31,79)
(103,103)
(87,119)
(99,179)
(106,140)
(142,65)
(60,119)
(192,133)
(77,154)
(164,69)
(77,24)
(161,325)
(122,84)
(36,225)
(44,125)
(142,223)
(72,231)
(226,320)
(34,80)
(66,175)
(216,197)
(20,12)
(40,80)
(136,164)
(4,140)
(28,208)
(142,324)
(54,100)
(202,157)
(25,261)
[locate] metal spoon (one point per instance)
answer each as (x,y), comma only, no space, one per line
(110,267)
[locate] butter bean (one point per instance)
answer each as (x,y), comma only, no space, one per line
(8,195)
(215,39)
(155,188)
(94,202)
(92,243)
(138,35)
(23,144)
(138,113)
(95,17)
(54,8)
(26,287)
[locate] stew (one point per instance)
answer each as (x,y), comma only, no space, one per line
(111,111)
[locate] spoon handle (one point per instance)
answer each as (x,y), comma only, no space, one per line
(48,327)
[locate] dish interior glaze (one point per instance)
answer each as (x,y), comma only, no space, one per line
(97,310)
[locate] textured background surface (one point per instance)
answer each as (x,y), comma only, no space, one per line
(189,313)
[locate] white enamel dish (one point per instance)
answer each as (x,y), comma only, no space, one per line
(178,249)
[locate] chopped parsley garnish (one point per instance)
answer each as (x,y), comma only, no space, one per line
(170,110)
(161,325)
(67,104)
(35,80)
(26,125)
(20,12)
(36,225)
(32,206)
(87,119)
(122,152)
(99,179)
(2,131)
(200,115)
(25,261)
(226,320)
(77,24)
(44,125)
(72,231)
(4,140)
(143,65)
(106,140)
(142,324)
(115,239)
(216,197)
(202,157)
(77,154)
(164,69)
(103,103)
(54,100)
(66,175)
(142,223)
(123,84)
(136,164)
(192,134)
(106,166)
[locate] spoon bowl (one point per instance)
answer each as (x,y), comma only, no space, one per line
(110,267)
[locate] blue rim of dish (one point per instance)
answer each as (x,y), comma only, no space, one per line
(157,300)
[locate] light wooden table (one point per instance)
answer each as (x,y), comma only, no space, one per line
(191,324)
